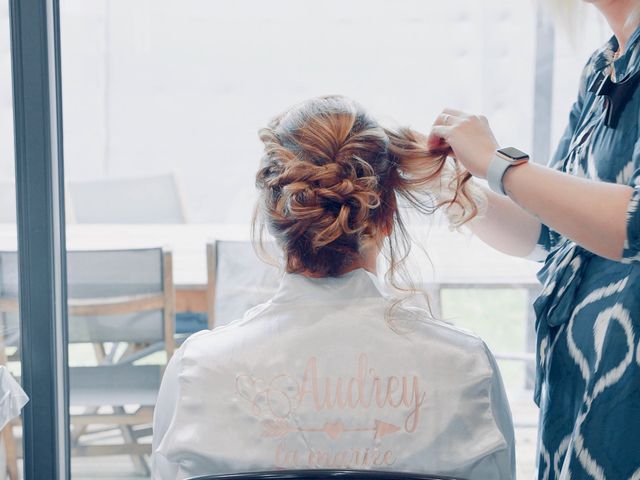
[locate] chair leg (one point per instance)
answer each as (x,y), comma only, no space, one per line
(10,448)
(128,435)
(78,430)
(139,461)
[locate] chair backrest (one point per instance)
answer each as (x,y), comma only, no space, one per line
(323,475)
(237,280)
(119,384)
(114,295)
(153,199)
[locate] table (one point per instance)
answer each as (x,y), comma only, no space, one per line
(457,259)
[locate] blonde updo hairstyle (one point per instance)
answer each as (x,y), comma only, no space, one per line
(332,179)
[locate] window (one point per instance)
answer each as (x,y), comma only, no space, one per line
(162,103)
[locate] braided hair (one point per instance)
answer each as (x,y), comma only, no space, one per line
(330,180)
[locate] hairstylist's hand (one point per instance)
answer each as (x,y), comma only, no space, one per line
(469,136)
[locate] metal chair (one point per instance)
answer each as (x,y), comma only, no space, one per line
(324,475)
(121,298)
(153,199)
(237,280)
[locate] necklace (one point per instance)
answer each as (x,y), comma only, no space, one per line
(616,55)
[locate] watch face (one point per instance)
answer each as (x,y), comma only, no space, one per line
(513,153)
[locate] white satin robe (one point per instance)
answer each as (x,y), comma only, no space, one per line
(317,378)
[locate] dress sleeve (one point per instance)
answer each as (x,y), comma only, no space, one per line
(163,417)
(549,238)
(631,252)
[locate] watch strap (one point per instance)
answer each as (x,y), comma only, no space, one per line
(495,173)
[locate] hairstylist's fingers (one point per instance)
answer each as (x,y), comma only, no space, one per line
(435,143)
(438,137)
(454,112)
(441,131)
(441,119)
(444,119)
(449,152)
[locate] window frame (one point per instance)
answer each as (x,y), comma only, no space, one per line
(37,103)
(37,96)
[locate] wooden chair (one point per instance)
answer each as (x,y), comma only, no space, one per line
(154,199)
(121,302)
(237,279)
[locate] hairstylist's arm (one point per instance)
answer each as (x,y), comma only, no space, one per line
(593,214)
(506,226)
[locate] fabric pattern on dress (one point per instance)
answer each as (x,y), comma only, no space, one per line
(588,314)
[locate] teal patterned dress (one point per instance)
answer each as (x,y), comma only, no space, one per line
(588,314)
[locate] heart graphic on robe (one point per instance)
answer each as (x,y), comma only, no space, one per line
(277,397)
(251,389)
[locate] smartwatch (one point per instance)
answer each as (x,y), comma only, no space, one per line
(502,160)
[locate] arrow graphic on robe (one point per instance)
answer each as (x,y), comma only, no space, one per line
(280,428)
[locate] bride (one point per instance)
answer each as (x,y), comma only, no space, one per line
(338,370)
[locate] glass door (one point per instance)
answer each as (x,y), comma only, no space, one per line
(162,103)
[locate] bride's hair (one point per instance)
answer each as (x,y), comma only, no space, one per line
(332,178)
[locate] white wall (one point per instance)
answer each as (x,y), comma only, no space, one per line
(155,86)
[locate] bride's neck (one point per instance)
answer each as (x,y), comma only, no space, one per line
(368,261)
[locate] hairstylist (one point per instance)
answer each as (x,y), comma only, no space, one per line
(583,212)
